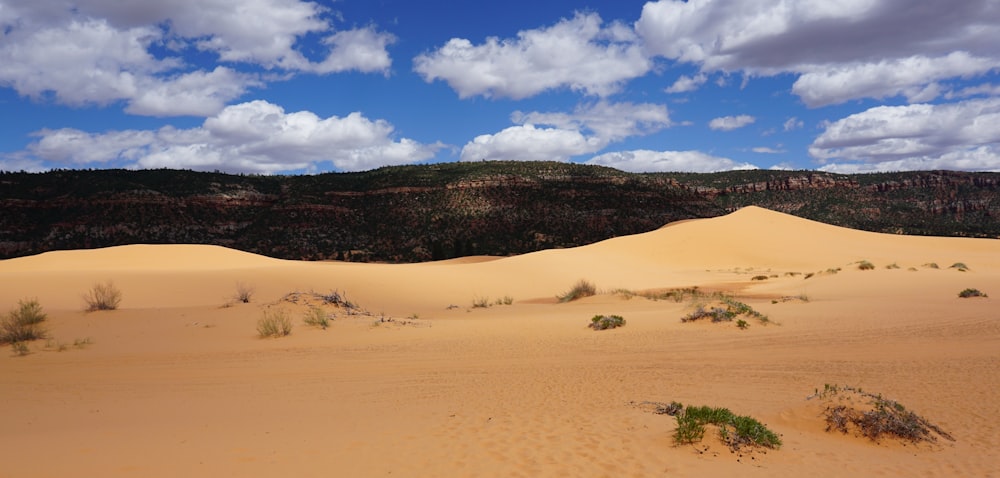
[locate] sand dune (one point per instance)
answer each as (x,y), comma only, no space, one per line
(420,382)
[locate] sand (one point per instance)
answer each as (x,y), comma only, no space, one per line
(419,382)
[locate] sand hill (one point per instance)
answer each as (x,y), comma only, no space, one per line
(472,367)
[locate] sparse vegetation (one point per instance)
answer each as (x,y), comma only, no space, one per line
(808,275)
(583,288)
(20,349)
(865,266)
(725,310)
(103,297)
(244,292)
(274,323)
(603,322)
(960,266)
(742,324)
(967,293)
(892,266)
(931,265)
(23,323)
(760,277)
(316,317)
(877,417)
(480,302)
(735,431)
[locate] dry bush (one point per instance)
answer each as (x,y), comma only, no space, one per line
(103,297)
(274,323)
(583,288)
(244,292)
(877,417)
(22,324)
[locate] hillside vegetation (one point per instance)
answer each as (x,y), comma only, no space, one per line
(440,211)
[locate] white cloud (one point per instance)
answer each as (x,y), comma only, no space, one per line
(588,129)
(793,124)
(922,136)
(576,53)
(607,121)
(254,137)
(528,143)
(767,150)
(843,50)
(86,52)
(686,83)
(667,161)
(729,123)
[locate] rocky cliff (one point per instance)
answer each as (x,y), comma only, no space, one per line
(418,213)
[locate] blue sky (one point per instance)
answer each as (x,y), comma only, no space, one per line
(291,86)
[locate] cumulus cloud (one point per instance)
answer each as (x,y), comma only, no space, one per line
(577,53)
(103,51)
(793,124)
(253,137)
(921,136)
(842,51)
(588,129)
(639,161)
(686,83)
(729,123)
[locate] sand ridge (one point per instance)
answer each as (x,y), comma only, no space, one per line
(420,382)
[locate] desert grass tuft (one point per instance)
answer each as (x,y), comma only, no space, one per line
(967,293)
(20,349)
(865,266)
(316,317)
(604,322)
(103,297)
(244,292)
(274,323)
(583,288)
(23,323)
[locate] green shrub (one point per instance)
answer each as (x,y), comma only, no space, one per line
(317,317)
(602,322)
(274,323)
(581,289)
(103,297)
(23,323)
(742,324)
(735,431)
(965,294)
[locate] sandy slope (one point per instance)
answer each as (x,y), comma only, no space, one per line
(177,383)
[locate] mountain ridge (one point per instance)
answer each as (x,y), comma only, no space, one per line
(446,210)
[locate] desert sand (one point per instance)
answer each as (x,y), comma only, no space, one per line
(419,382)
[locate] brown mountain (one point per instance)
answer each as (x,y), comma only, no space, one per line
(417,213)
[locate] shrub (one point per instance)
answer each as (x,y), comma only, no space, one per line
(965,294)
(762,277)
(480,302)
(960,266)
(742,324)
(735,431)
(274,323)
(602,322)
(244,292)
(20,349)
(22,324)
(880,417)
(892,266)
(103,297)
(316,317)
(865,266)
(727,310)
(581,289)
(931,265)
